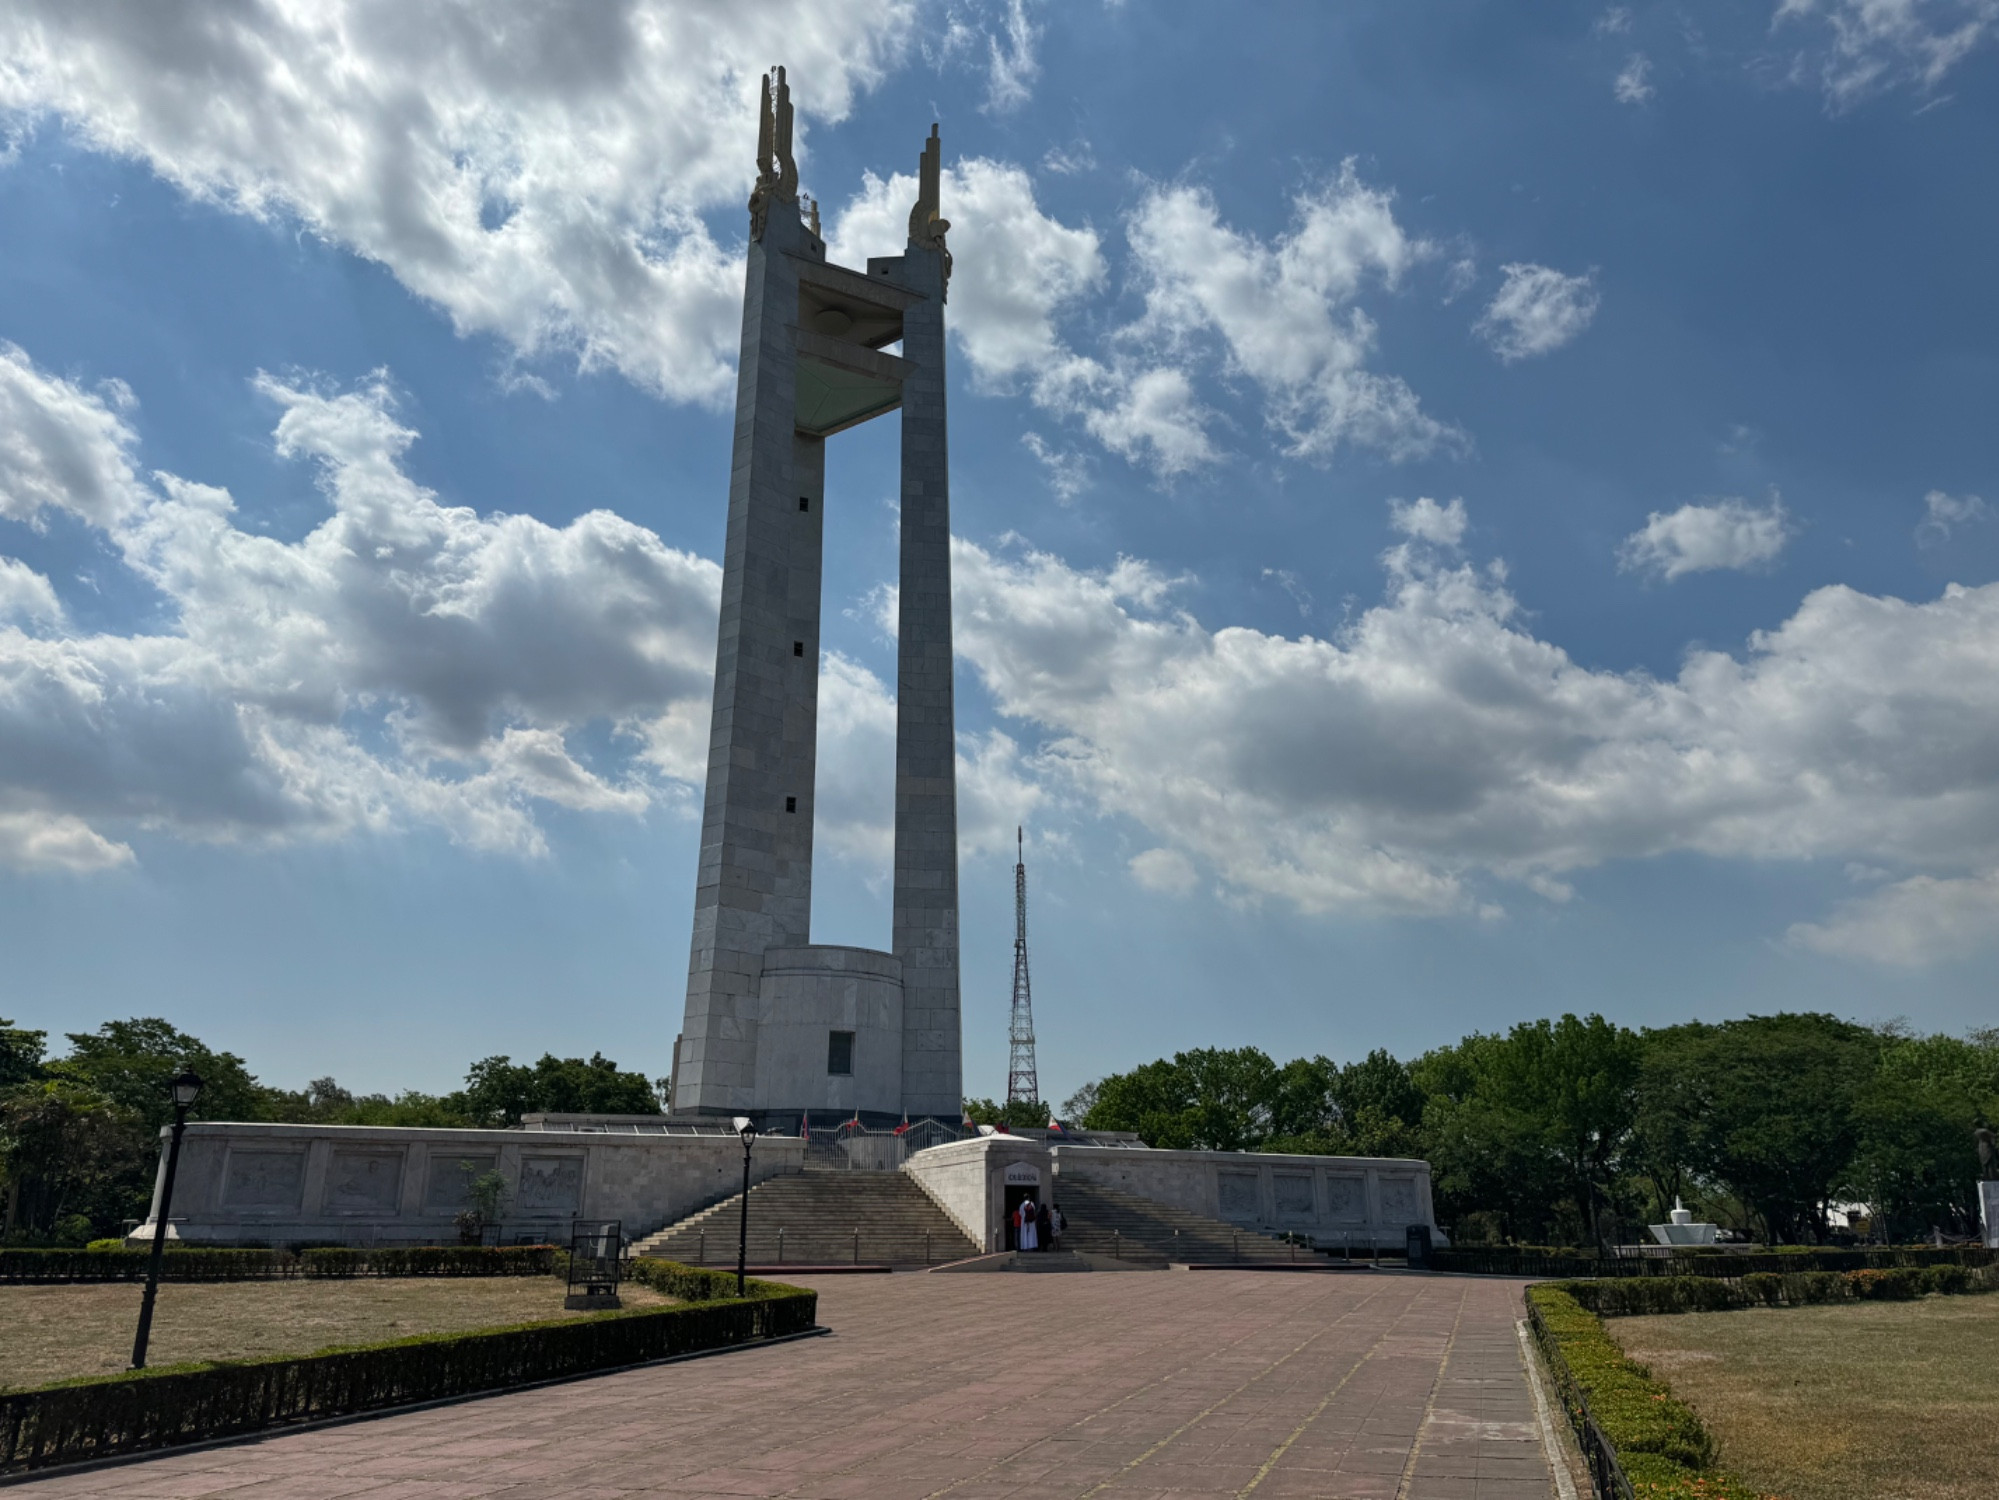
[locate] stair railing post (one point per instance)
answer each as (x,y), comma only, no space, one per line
(701,1256)
(1235,1243)
(857,1247)
(1117,1245)
(926,1247)
(780,1246)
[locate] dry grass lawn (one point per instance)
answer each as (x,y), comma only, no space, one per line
(55,1332)
(1867,1401)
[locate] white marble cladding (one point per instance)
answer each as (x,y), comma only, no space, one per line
(1988,1208)
(1335,1200)
(806,994)
(369,1185)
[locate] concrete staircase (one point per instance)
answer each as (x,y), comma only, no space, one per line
(819,1217)
(1109,1222)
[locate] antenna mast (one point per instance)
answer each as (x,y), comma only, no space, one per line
(1021,1084)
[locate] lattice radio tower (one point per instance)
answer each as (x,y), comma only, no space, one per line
(1021,1084)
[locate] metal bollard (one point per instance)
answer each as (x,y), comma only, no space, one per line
(701,1257)
(857,1247)
(780,1247)
(926,1247)
(1235,1243)
(1117,1246)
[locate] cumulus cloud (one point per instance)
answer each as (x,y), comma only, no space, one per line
(537,172)
(1876,45)
(1537,310)
(1696,538)
(1634,80)
(1015,269)
(1285,312)
(1436,744)
(1282,314)
(26,596)
(1427,521)
(407,662)
(1942,513)
(1166,871)
(1913,922)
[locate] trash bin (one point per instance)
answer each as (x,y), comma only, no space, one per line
(1418,1241)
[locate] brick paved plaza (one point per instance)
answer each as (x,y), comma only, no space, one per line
(977,1387)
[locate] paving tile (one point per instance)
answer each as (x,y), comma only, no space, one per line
(976,1388)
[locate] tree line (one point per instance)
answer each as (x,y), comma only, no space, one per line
(1580,1131)
(79,1134)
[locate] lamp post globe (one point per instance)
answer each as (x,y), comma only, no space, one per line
(184,1090)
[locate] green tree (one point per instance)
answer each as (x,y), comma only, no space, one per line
(1915,1160)
(132,1063)
(76,1163)
(1015,1114)
(499,1091)
(1773,1110)
(20,1054)
(1490,1168)
(1206,1100)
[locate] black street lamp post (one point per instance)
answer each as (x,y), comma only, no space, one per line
(747,1129)
(186,1089)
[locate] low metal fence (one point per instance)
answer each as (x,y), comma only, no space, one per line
(1606,1474)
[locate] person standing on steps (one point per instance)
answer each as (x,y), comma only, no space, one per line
(1044,1232)
(1056,1224)
(1027,1235)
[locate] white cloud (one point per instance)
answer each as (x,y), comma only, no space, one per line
(1427,521)
(1633,84)
(537,171)
(1166,871)
(61,447)
(1696,538)
(1876,45)
(1068,473)
(1615,21)
(1011,66)
(1942,512)
(50,841)
(26,595)
(1436,744)
(407,662)
(1914,922)
(1282,314)
(1014,268)
(1537,310)
(1284,311)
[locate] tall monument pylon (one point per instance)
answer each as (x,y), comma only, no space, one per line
(777,1025)
(1022,1086)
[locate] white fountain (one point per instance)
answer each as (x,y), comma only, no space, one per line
(1683,1230)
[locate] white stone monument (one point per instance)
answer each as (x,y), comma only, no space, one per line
(1683,1230)
(777,1026)
(1988,1212)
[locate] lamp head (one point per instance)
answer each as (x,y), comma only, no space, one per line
(747,1129)
(186,1088)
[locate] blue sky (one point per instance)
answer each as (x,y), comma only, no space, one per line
(1463,514)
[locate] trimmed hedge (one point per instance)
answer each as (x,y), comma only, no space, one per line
(1703,1261)
(195,1264)
(1631,1296)
(1661,1445)
(75,1421)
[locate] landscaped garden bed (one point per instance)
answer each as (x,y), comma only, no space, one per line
(692,1311)
(1781,1384)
